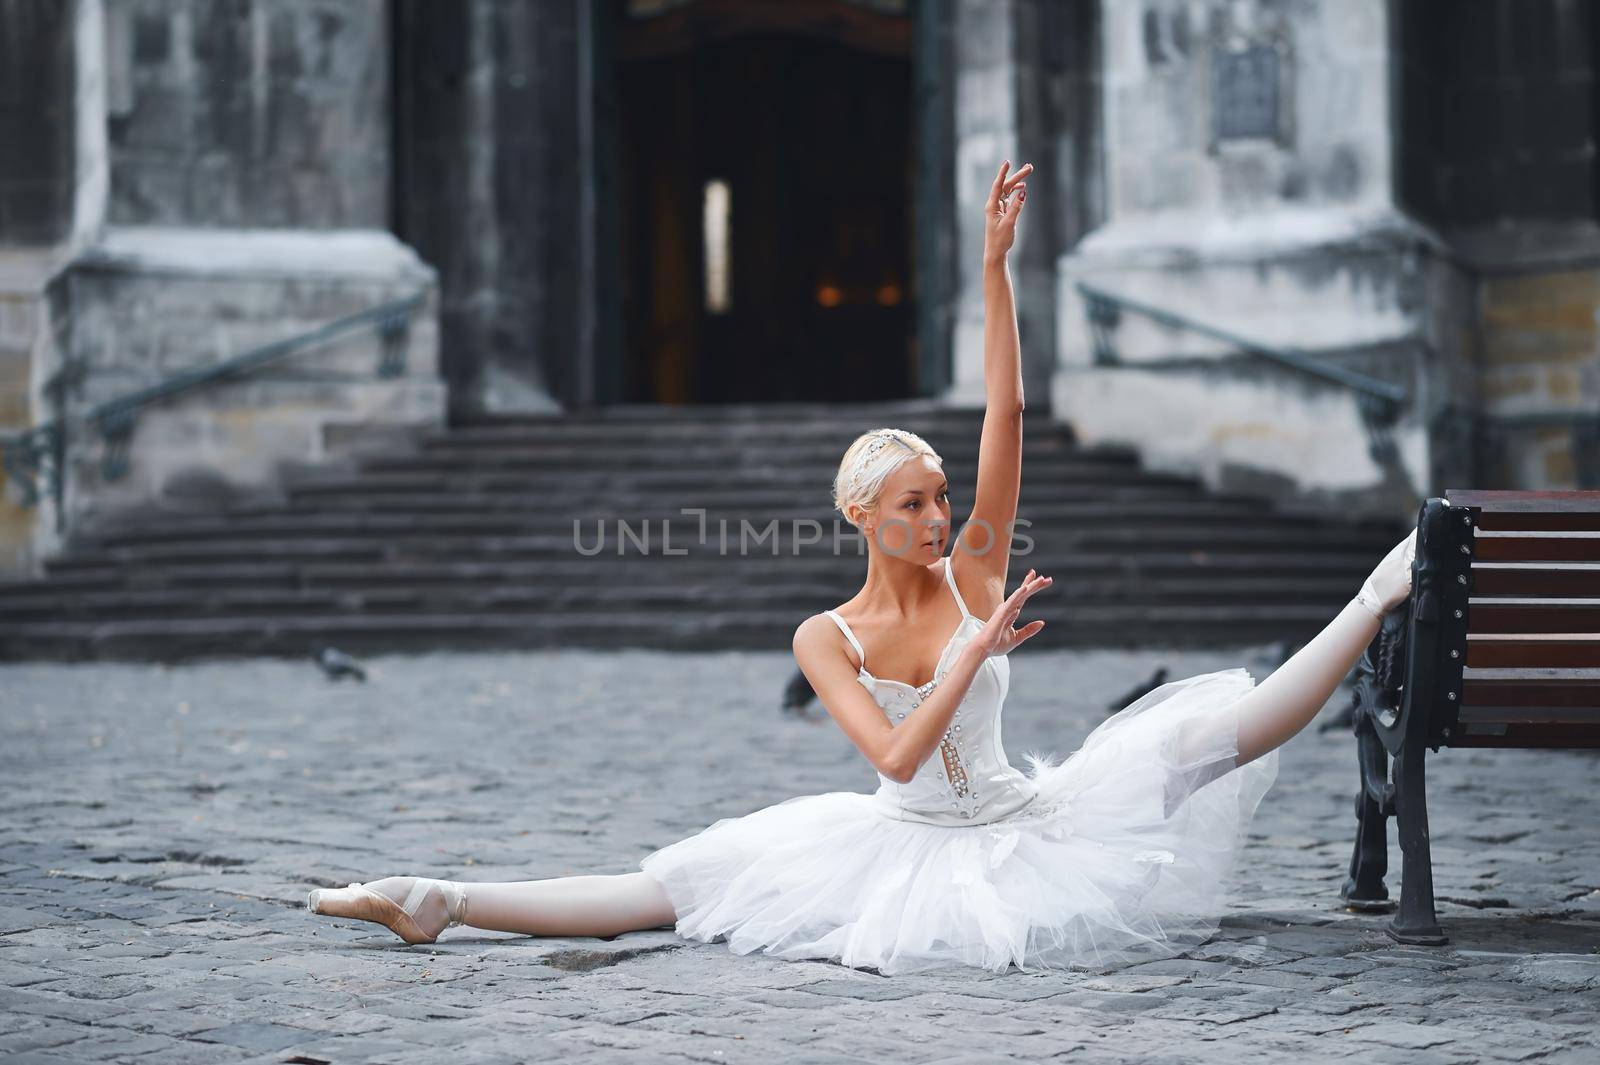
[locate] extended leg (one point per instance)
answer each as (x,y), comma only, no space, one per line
(569,905)
(1284,703)
(1275,709)
(1288,700)
(419,908)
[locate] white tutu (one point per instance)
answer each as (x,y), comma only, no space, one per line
(1123,853)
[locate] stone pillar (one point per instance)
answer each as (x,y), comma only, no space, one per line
(1007,87)
(53,179)
(1249,187)
(38,93)
(226,186)
(249,115)
(491,189)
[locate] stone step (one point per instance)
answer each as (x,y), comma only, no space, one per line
(694,425)
(166,639)
(949,439)
(843,572)
(799,465)
(730,418)
(1188,513)
(798,444)
(800,597)
(751,499)
(765,498)
(680,481)
(945,429)
(607,543)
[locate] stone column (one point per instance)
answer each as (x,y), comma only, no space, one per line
(53,179)
(491,189)
(1249,187)
(226,187)
(1005,100)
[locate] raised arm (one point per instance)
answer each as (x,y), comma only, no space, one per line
(984,545)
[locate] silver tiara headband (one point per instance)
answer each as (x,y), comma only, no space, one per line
(875,445)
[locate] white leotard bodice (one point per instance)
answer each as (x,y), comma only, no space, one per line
(967,779)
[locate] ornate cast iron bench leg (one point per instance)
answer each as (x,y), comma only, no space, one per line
(1379,676)
(1364,889)
(1390,721)
(1416,922)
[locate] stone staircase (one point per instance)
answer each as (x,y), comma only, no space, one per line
(464,538)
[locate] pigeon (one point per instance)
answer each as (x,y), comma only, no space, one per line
(1344,718)
(1157,679)
(335,664)
(1282,651)
(797,695)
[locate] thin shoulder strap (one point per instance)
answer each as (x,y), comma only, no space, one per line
(839,621)
(950,578)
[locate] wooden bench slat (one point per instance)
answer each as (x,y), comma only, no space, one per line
(1532,614)
(1490,650)
(1500,715)
(1531,674)
(1513,690)
(1562,736)
(1552,521)
(1536,545)
(1515,500)
(1536,579)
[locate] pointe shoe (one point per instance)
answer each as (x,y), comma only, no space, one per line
(1388,585)
(406,919)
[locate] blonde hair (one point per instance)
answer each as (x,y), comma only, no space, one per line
(869,460)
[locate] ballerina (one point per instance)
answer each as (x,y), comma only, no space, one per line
(1122,851)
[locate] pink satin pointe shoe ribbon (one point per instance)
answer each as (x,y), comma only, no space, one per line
(362,903)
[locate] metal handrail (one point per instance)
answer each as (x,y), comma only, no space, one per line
(26,452)
(1104,308)
(1378,402)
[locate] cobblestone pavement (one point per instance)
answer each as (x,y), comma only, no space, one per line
(162,826)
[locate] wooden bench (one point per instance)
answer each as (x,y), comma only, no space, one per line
(1498,645)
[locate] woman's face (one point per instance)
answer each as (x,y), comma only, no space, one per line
(913,516)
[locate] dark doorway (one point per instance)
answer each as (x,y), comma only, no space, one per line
(767,194)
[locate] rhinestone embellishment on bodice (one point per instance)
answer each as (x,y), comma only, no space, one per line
(955,769)
(945,790)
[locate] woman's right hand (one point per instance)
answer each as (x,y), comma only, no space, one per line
(997,637)
(1389,584)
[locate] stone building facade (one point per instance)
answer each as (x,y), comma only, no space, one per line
(1340,251)
(183,184)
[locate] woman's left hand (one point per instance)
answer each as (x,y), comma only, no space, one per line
(1006,197)
(997,637)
